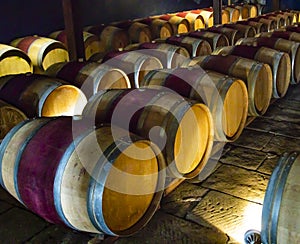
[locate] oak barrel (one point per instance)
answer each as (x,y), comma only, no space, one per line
(179,25)
(14,61)
(280,44)
(182,128)
(256,75)
(113,38)
(278,61)
(226,97)
(232,34)
(103,180)
(196,20)
(280,214)
(40,95)
(160,29)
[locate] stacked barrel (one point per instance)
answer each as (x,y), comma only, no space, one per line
(91,144)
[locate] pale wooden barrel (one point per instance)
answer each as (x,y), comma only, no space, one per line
(91,42)
(279,62)
(226,97)
(244,30)
(14,61)
(207,14)
(160,29)
(247,10)
(196,20)
(113,38)
(135,64)
(280,214)
(170,56)
(119,176)
(280,44)
(42,51)
(179,25)
(183,129)
(232,34)
(10,116)
(234,13)
(256,75)
(195,46)
(90,77)
(40,95)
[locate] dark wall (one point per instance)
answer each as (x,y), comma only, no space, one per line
(19,18)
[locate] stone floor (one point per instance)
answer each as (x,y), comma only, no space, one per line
(218,209)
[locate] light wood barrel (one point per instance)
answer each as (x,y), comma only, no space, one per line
(113,38)
(91,42)
(42,51)
(279,62)
(135,64)
(226,97)
(195,46)
(247,10)
(10,116)
(214,39)
(234,13)
(207,14)
(14,61)
(244,30)
(196,20)
(280,214)
(40,95)
(90,77)
(232,34)
(160,29)
(119,176)
(183,129)
(179,25)
(170,56)
(256,75)
(290,47)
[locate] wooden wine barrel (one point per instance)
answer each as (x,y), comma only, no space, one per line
(90,77)
(279,19)
(259,26)
(139,32)
(10,116)
(214,39)
(135,64)
(247,10)
(94,29)
(160,29)
(42,51)
(40,95)
(119,176)
(91,42)
(182,128)
(179,25)
(244,11)
(256,75)
(279,62)
(271,23)
(207,14)
(113,38)
(226,97)
(234,14)
(14,61)
(232,35)
(170,56)
(290,47)
(244,30)
(280,213)
(196,20)
(195,46)
(288,35)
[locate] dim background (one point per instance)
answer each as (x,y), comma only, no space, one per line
(20,18)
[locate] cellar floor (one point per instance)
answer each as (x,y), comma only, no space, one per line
(218,209)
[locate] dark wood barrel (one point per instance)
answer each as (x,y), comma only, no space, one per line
(280,214)
(160,29)
(119,176)
(271,23)
(139,32)
(195,46)
(215,39)
(90,77)
(14,61)
(135,64)
(226,97)
(42,51)
(278,61)
(182,128)
(244,30)
(259,26)
(257,75)
(288,35)
(113,38)
(280,44)
(232,34)
(40,95)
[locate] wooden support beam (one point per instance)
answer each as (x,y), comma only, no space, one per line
(217,6)
(73,28)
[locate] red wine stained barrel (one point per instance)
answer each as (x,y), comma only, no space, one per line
(226,97)
(258,77)
(119,176)
(182,128)
(280,214)
(278,61)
